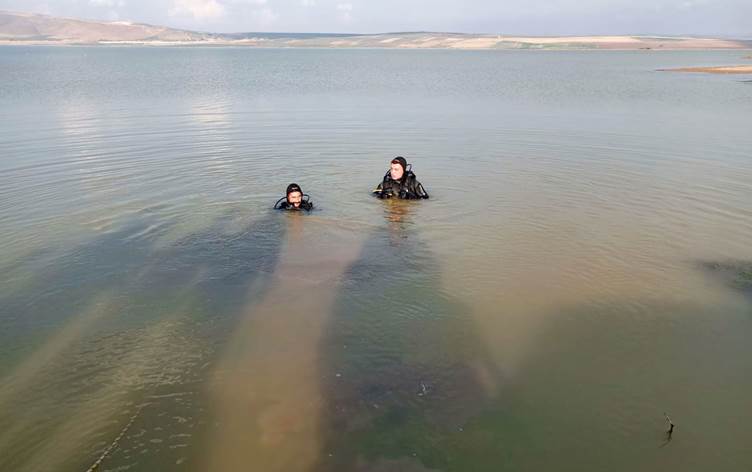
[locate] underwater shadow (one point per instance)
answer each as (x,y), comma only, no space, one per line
(124,318)
(402,369)
(735,274)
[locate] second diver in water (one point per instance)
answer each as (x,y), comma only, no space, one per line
(400,182)
(294,200)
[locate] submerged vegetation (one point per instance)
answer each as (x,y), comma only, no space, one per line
(737,274)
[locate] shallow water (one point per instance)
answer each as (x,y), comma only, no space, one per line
(556,295)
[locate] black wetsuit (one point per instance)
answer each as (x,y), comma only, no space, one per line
(284,205)
(407,187)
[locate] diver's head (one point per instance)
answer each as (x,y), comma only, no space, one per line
(294,195)
(397,168)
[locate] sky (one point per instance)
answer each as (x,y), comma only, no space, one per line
(724,18)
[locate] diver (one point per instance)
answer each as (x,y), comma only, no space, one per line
(400,182)
(294,200)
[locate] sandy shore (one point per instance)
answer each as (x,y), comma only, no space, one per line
(746,69)
(627,42)
(19,28)
(423,41)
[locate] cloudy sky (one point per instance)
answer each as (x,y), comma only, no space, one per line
(533,17)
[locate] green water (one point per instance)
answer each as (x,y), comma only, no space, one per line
(581,268)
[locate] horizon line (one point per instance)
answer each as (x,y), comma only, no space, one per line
(322,33)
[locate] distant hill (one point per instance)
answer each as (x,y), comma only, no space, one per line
(29,28)
(33,27)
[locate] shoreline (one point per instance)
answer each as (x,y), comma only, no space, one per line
(257,45)
(30,29)
(442,41)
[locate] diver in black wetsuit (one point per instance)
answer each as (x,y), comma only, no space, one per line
(295,200)
(400,182)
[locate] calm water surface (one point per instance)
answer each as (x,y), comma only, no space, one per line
(578,271)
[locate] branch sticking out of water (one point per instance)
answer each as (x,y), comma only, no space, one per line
(671,425)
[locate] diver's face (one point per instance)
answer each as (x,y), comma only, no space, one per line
(396,171)
(294,199)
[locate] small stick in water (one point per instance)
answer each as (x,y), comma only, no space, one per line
(669,431)
(671,426)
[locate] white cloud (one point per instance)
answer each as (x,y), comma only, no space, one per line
(107,3)
(265,16)
(42,8)
(247,2)
(208,10)
(198,9)
(533,17)
(690,4)
(345,12)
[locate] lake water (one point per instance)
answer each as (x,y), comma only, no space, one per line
(582,266)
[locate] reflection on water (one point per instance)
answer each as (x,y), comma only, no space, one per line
(581,267)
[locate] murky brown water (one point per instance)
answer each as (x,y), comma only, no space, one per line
(582,267)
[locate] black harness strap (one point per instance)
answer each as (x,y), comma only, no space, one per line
(305,203)
(277,205)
